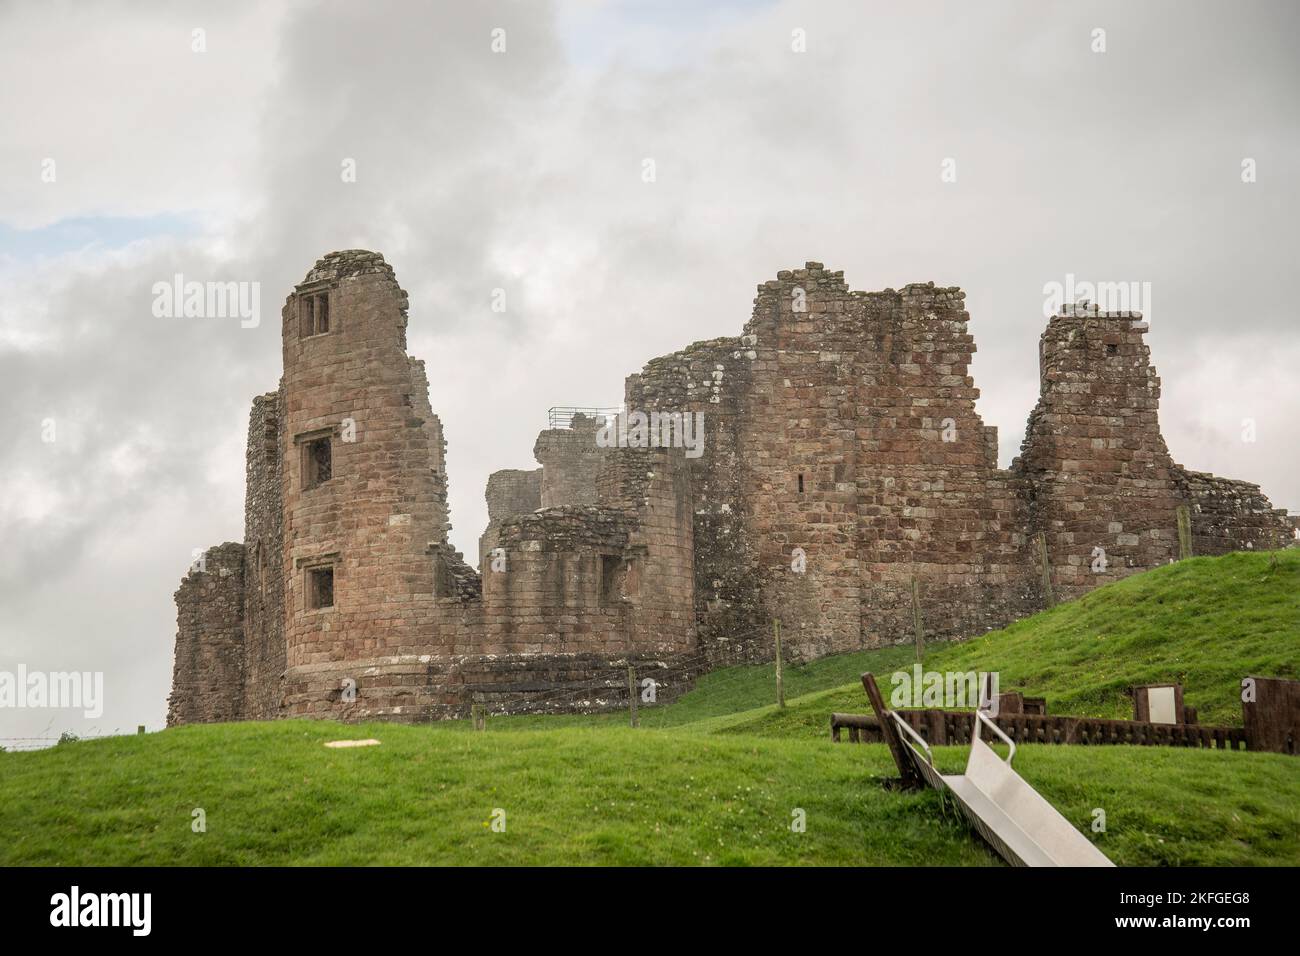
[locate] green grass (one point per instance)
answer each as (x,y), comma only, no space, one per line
(273,794)
(1205,623)
(715,777)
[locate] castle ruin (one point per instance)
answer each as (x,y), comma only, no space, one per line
(846,482)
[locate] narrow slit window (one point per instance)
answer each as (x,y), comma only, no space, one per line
(320,588)
(801,483)
(306,317)
(610,566)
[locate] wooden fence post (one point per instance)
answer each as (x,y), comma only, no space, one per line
(916,618)
(1184,532)
(890,733)
(631,696)
(780,682)
(1048,593)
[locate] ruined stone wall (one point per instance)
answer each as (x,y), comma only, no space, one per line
(568,683)
(714,379)
(932,504)
(586,591)
(1101,476)
(208,672)
(509,492)
(264,641)
(839,426)
(612,578)
(872,459)
(1228,515)
(417,397)
(801,442)
(414,632)
(570,461)
(553,596)
(653,579)
(843,424)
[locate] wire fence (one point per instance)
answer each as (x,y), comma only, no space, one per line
(674,675)
(44,741)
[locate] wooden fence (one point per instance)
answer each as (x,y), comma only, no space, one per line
(940,727)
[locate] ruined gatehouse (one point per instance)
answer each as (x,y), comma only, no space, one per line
(846,483)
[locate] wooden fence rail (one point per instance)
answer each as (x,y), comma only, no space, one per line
(940,727)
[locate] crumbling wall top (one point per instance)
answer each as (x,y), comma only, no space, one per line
(345,263)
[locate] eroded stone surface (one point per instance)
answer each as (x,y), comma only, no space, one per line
(843,460)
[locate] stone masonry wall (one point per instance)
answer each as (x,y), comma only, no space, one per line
(410,623)
(570,461)
(587,590)
(372,522)
(208,673)
(870,394)
(653,578)
(845,480)
(509,492)
(1231,515)
(264,642)
(1101,477)
(843,424)
(714,379)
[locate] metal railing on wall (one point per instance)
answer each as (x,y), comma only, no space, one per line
(561,416)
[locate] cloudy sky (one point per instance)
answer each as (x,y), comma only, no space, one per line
(135,148)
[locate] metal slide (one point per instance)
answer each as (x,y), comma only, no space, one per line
(1010,814)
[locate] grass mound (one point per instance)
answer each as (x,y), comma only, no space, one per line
(718,777)
(1204,623)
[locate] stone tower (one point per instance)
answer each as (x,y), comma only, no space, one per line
(846,487)
(1103,487)
(346,599)
(364,488)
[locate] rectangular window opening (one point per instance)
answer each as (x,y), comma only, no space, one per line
(306,317)
(313,314)
(318,462)
(610,567)
(801,483)
(320,588)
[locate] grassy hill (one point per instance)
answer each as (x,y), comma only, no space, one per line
(717,777)
(1205,623)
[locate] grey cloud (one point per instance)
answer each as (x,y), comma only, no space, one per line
(522,171)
